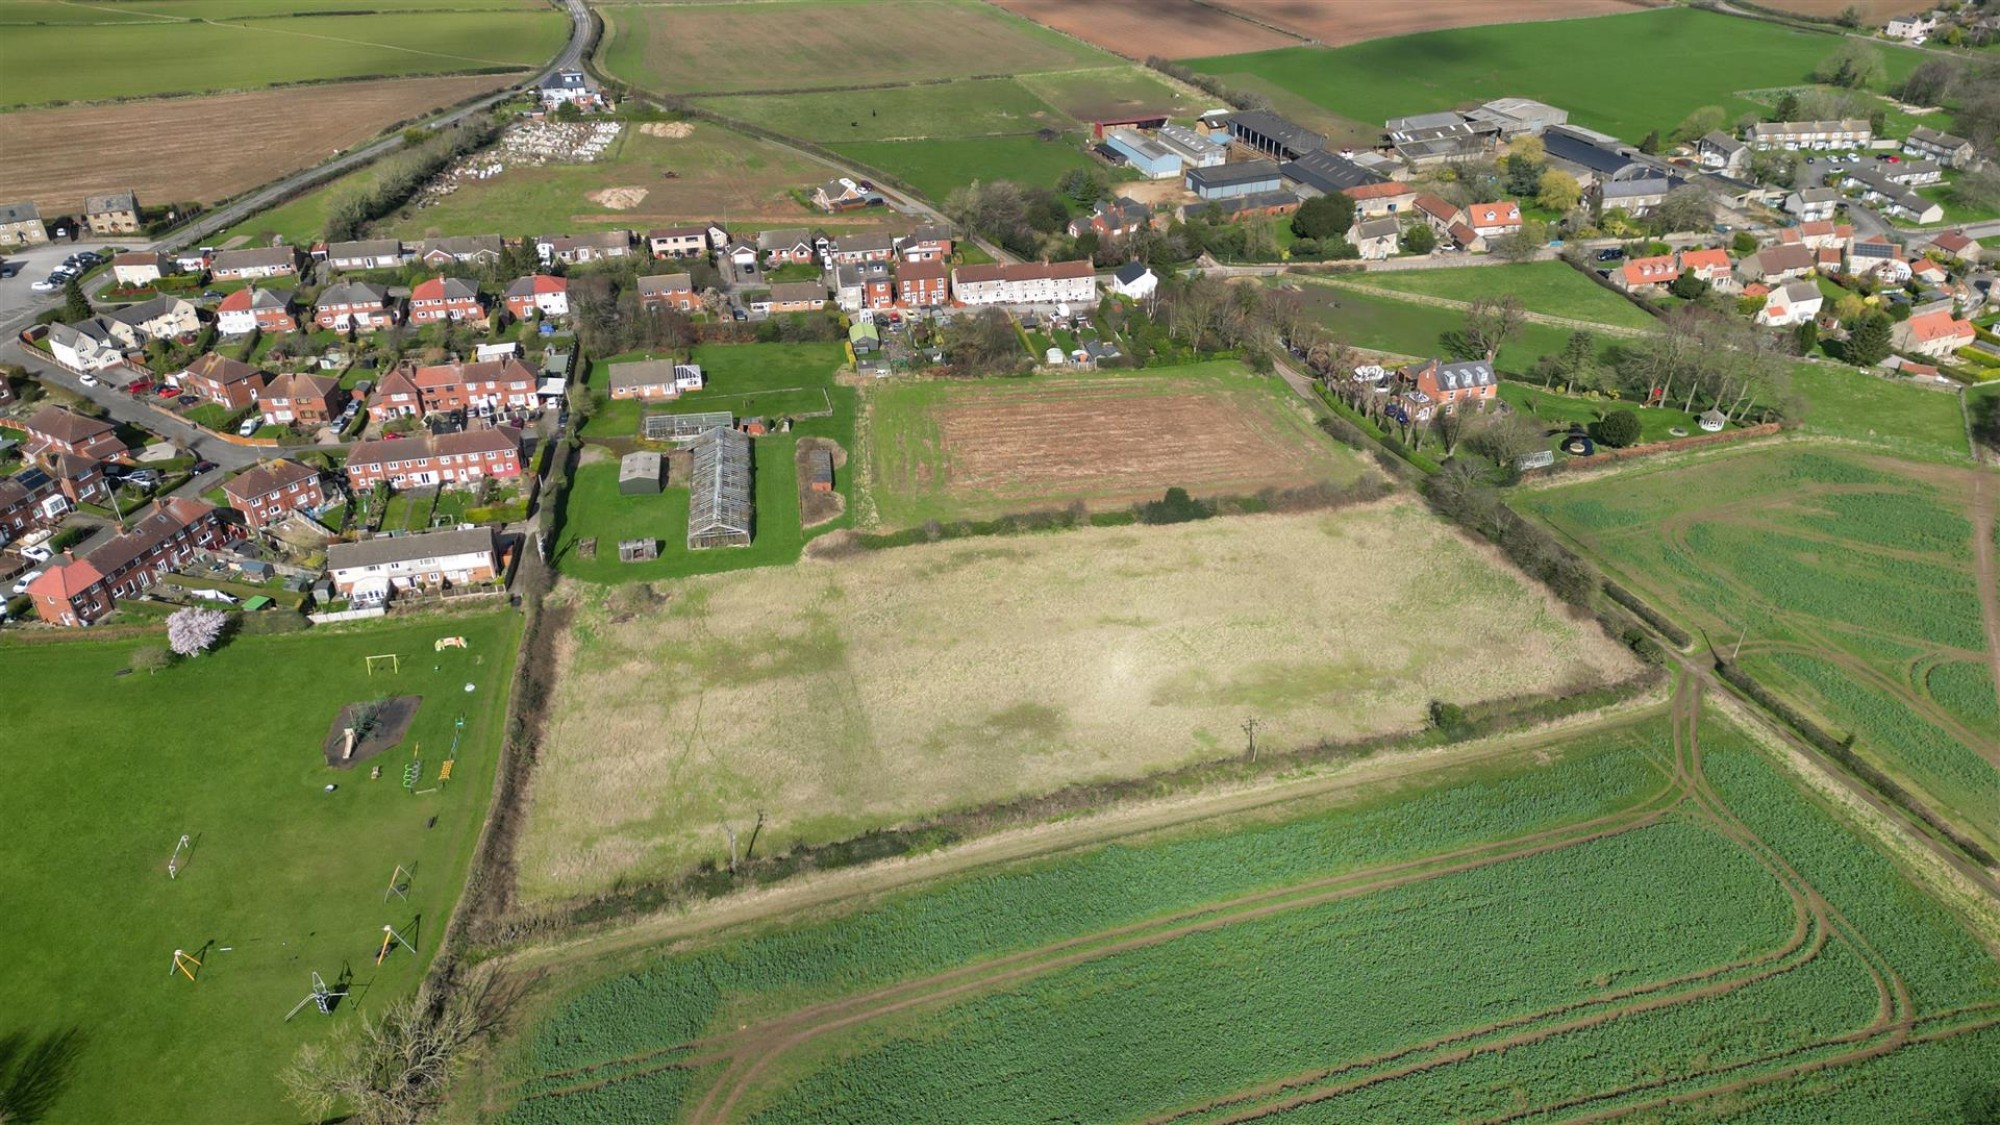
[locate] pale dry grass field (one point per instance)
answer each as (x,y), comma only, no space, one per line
(846,695)
(1336,25)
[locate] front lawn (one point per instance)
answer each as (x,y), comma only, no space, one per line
(1656,423)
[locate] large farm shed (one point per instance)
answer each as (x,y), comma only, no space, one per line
(719,490)
(685,427)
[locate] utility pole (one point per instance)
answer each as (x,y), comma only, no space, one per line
(1250,726)
(731,833)
(752,848)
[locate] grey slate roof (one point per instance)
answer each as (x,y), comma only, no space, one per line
(1465,374)
(1224,175)
(19,212)
(1329,172)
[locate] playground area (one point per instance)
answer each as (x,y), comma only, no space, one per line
(362,730)
(212,880)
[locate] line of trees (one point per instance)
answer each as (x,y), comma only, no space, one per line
(398,178)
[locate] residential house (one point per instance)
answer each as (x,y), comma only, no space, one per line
(1435,386)
(1272,135)
(367,254)
(1719,152)
(927,243)
(1146,156)
(1879,258)
(654,380)
(1389,197)
(1135,280)
(81,480)
(1325,173)
(1813,204)
(848,292)
(301,400)
(422,460)
(538,293)
(1440,215)
(247,265)
(1773,264)
(87,345)
(1225,181)
(396,395)
(229,383)
(878,285)
(493,384)
(21,225)
(1113,217)
(429,560)
(445,298)
(1928,272)
(358,305)
(162,318)
(1794,302)
(1710,265)
(596,246)
(1948,150)
(1028,283)
(923,284)
(273,490)
(1643,275)
(1853,132)
(1819,235)
(1636,196)
(1956,244)
(789,246)
(1375,238)
(117,213)
(844,194)
(569,86)
(678,242)
(741,255)
(1911,27)
(140,267)
(164,535)
(1891,198)
(29,501)
(1913,173)
(669,291)
(1491,220)
(854,249)
(1935,334)
(794,296)
(251,309)
(466,250)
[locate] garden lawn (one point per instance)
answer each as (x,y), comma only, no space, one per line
(1387,324)
(1563,63)
(1909,419)
(1656,423)
(936,167)
(1552,288)
(106,772)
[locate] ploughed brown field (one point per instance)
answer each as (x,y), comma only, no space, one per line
(205,149)
(1873,12)
(1338,24)
(1174,29)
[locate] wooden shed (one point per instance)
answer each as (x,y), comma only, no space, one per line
(819,470)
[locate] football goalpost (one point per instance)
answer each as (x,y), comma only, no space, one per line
(175,860)
(389,658)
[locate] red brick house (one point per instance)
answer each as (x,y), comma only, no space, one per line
(445,298)
(669,291)
(53,429)
(262,310)
(79,479)
(538,292)
(396,396)
(926,244)
(878,286)
(164,535)
(502,384)
(923,285)
(219,379)
(354,304)
(466,457)
(270,492)
(30,500)
(306,400)
(1439,385)
(678,242)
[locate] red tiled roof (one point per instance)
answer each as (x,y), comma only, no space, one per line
(66,426)
(1650,271)
(1389,190)
(1937,326)
(1495,214)
(66,581)
(1711,259)
(221,368)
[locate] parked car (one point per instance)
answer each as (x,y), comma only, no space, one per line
(250,425)
(148,478)
(21,587)
(37,553)
(1610,255)
(9,269)
(139,387)
(89,380)
(188,400)
(167,390)
(201,467)
(47,285)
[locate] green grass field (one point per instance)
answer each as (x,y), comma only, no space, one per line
(1324,946)
(301,221)
(1656,423)
(1912,421)
(1849,579)
(972,108)
(108,771)
(1098,94)
(1564,63)
(936,167)
(155,58)
(767,380)
(1387,324)
(1552,288)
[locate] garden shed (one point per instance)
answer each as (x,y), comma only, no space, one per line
(819,471)
(638,550)
(719,486)
(639,474)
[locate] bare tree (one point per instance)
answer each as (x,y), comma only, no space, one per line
(390,1069)
(1492,321)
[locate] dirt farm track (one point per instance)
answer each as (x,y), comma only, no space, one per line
(1178,29)
(163,148)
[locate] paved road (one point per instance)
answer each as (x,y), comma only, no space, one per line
(124,408)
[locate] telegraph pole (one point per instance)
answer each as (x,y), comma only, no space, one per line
(1250,726)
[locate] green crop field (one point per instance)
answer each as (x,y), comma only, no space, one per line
(936,167)
(762,380)
(160,58)
(1849,579)
(978,107)
(1552,288)
(1389,954)
(105,774)
(806,44)
(1562,63)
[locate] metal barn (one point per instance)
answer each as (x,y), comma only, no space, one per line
(719,486)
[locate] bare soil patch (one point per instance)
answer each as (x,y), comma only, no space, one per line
(1339,24)
(817,507)
(205,149)
(390,723)
(618,198)
(1174,29)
